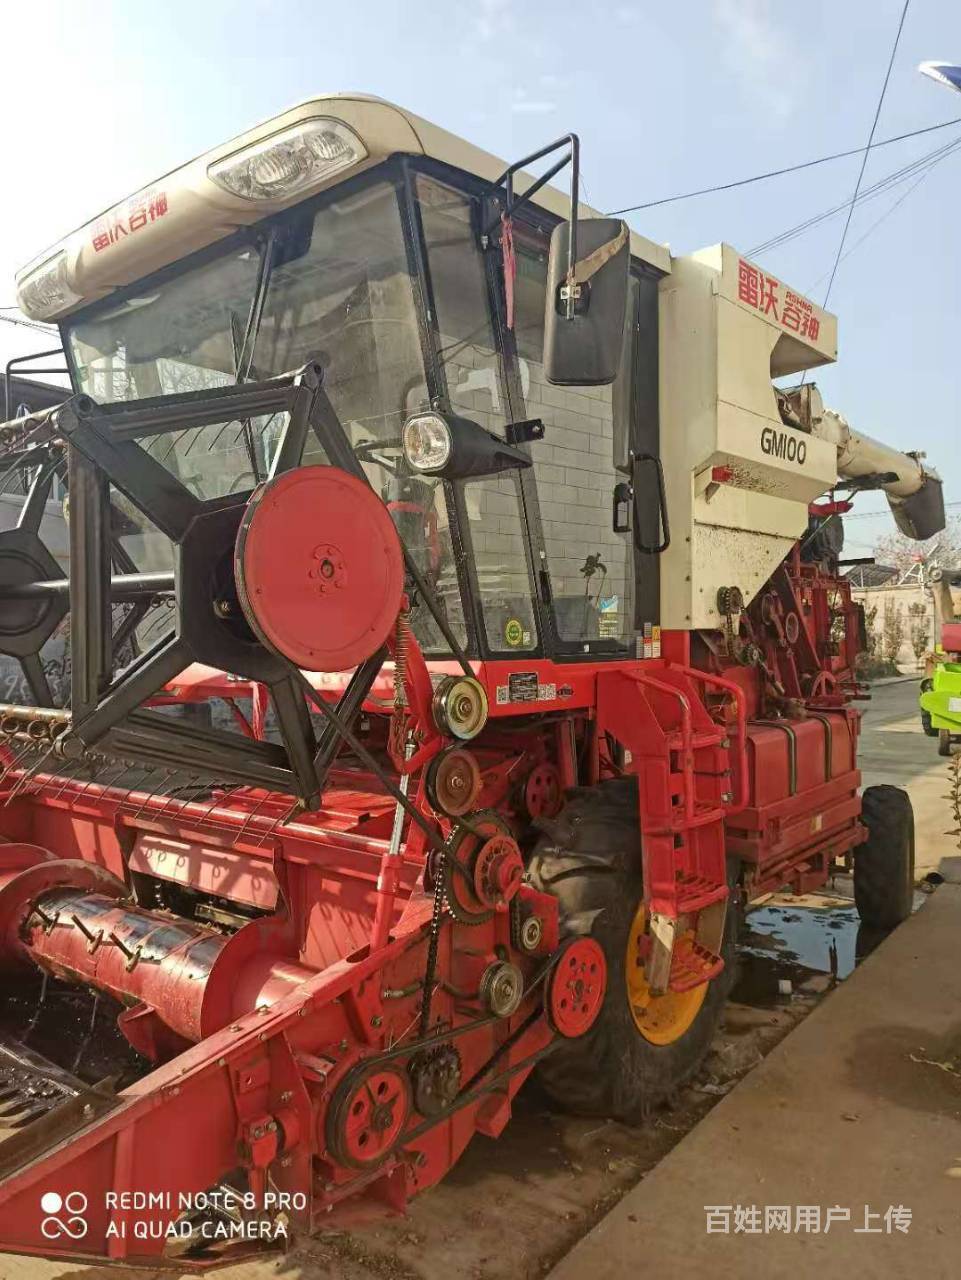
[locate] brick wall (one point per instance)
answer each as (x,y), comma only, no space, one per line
(576,478)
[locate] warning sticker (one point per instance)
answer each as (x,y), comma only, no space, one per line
(546,692)
(650,645)
(522,686)
(503,695)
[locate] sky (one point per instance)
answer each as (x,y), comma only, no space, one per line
(102,98)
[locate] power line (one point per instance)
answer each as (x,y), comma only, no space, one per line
(868,515)
(867,150)
(29,324)
(888,182)
(874,226)
(778,173)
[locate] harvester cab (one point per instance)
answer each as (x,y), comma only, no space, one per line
(457,641)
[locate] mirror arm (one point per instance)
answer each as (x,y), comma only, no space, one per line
(573,157)
(572,242)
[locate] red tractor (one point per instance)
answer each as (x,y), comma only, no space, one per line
(431,711)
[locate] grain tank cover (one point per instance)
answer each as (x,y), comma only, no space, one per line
(739,480)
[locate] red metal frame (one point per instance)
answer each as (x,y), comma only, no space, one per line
(265,1040)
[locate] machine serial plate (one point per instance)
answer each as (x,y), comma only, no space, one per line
(522,686)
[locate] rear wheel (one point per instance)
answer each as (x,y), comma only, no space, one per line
(927,726)
(884,863)
(944,742)
(641,1047)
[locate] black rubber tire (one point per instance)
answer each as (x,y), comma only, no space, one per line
(927,726)
(884,863)
(944,742)
(588,859)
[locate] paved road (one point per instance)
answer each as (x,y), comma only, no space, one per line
(894,749)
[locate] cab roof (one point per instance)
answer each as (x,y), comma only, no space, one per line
(186,210)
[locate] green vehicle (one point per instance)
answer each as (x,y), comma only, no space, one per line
(941,703)
(941,688)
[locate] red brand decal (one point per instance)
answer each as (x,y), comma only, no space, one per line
(760,291)
(149,206)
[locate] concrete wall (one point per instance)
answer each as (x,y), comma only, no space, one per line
(904,597)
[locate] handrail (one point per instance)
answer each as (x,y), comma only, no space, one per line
(687,733)
(737,693)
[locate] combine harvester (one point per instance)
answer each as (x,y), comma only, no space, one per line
(497,655)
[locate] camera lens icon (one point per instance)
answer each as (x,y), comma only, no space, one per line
(63,1215)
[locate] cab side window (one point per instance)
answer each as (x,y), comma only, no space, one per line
(576,467)
(467,356)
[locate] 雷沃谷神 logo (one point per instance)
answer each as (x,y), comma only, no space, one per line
(789,445)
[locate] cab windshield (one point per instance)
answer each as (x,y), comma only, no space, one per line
(338,291)
(386,284)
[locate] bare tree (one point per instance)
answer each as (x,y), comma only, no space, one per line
(892,629)
(901,552)
(919,633)
(872,631)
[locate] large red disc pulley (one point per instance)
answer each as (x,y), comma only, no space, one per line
(368,1113)
(576,987)
(319,568)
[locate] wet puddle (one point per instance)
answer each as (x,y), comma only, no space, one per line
(787,950)
(801,946)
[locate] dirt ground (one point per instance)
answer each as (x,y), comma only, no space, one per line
(856,1116)
(510,1209)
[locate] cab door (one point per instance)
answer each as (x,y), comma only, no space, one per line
(597,583)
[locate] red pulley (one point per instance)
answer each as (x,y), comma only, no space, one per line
(543,791)
(576,987)
(319,568)
(367,1114)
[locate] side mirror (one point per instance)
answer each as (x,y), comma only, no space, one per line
(586,308)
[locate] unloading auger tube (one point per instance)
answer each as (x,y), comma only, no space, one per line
(914,490)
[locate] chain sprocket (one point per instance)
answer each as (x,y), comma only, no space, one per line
(436,1077)
(463,850)
(730,604)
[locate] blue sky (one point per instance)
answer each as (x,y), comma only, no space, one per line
(101,98)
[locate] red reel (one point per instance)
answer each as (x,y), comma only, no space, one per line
(319,568)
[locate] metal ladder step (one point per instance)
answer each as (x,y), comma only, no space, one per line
(692,965)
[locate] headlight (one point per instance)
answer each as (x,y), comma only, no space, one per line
(289,162)
(427,442)
(44,292)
